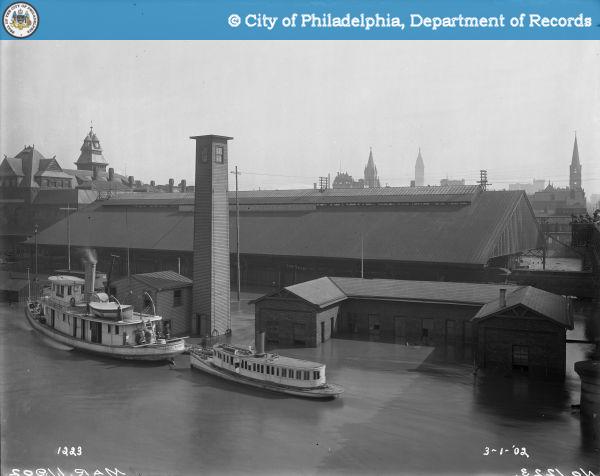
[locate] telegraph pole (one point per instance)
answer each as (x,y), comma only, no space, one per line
(68,210)
(35,231)
(237,230)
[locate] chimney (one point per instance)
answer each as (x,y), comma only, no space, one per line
(259,343)
(182,186)
(502,297)
(90,280)
(111,174)
(152,183)
(130,180)
(171,183)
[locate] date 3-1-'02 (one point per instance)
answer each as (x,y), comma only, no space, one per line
(69,450)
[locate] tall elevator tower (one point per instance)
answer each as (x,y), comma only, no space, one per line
(210,304)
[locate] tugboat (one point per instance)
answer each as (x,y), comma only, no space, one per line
(269,371)
(76,315)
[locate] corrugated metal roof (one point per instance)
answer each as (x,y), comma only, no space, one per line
(161,280)
(451,194)
(465,234)
(326,291)
(442,291)
(550,305)
(321,292)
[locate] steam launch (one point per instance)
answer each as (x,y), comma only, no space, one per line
(77,313)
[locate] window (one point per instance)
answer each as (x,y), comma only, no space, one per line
(316,375)
(520,357)
(219,154)
(306,375)
(177,298)
(253,367)
(108,328)
(69,290)
(298,374)
(277,371)
(284,372)
(117,330)
(262,369)
(64,317)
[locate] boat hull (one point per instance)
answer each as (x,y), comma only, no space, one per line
(328,391)
(155,352)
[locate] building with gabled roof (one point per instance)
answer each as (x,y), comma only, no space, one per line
(169,292)
(524,330)
(508,327)
(289,236)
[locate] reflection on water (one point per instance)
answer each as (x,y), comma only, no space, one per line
(406,410)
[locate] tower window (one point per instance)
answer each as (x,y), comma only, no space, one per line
(219,155)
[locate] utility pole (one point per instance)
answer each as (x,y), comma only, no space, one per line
(35,231)
(362,257)
(237,230)
(68,210)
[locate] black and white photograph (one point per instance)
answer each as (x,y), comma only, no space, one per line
(300,257)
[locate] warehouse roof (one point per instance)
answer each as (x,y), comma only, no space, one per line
(493,224)
(326,291)
(161,280)
(546,304)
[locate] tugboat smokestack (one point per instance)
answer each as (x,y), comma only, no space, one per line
(90,280)
(259,343)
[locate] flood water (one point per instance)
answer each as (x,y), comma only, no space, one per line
(403,412)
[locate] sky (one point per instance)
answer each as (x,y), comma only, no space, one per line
(298,110)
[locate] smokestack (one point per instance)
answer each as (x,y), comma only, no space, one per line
(182,186)
(130,180)
(152,183)
(111,174)
(259,343)
(171,183)
(95,173)
(90,280)
(503,297)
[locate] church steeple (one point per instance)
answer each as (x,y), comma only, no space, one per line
(371,178)
(419,171)
(575,168)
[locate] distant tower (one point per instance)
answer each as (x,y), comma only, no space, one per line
(210,303)
(419,171)
(575,169)
(371,179)
(91,157)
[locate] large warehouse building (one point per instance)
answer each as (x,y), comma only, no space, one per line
(457,233)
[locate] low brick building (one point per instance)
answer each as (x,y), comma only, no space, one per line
(170,292)
(526,331)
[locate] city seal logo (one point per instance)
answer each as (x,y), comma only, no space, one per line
(20,20)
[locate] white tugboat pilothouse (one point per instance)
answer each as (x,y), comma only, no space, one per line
(74,314)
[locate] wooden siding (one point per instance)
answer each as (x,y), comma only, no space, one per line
(211,239)
(544,340)
(131,291)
